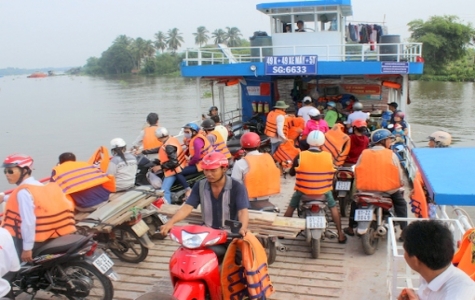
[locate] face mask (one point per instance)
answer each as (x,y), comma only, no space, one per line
(187,135)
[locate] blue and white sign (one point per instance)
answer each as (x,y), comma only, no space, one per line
(394,67)
(291,65)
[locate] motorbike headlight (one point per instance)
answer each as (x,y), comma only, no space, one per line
(192,240)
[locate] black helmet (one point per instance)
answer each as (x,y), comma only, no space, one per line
(208,124)
(152,118)
(212,108)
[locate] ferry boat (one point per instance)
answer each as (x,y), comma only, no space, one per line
(37,75)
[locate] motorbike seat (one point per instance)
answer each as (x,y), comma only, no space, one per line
(61,244)
(308,198)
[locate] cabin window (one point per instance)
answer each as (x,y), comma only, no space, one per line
(328,21)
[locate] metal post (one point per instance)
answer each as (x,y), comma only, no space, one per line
(221,101)
(212,91)
(198,98)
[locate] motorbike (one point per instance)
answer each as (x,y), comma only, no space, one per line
(254,124)
(372,212)
(314,209)
(344,178)
(401,152)
(195,266)
(70,265)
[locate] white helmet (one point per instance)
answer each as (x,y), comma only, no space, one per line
(313,112)
(307,99)
(117,143)
(161,132)
(316,138)
(441,139)
(357,106)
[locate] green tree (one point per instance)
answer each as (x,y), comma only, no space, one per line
(160,41)
(201,35)
(93,67)
(117,60)
(445,39)
(123,40)
(233,36)
(174,39)
(219,36)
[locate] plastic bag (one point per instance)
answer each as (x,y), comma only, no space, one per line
(154,180)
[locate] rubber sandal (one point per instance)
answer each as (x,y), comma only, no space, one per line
(343,242)
(346,230)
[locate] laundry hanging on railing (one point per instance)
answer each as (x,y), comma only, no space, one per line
(365,33)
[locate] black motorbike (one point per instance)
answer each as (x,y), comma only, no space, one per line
(71,266)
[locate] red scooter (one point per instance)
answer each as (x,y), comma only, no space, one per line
(194,267)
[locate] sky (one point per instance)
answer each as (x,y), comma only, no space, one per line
(65,33)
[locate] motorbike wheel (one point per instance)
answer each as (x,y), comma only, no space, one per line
(315,247)
(369,240)
(127,246)
(82,275)
(345,205)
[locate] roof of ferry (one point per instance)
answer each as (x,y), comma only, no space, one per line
(271,5)
(447,173)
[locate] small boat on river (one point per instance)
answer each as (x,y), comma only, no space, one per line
(37,75)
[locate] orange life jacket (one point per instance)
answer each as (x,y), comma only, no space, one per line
(263,178)
(250,279)
(180,154)
(376,171)
(76,176)
(54,213)
(338,144)
(205,150)
(418,198)
(314,175)
(286,153)
(220,144)
(271,123)
(295,125)
(100,158)
(464,258)
(149,140)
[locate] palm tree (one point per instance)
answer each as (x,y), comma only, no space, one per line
(174,39)
(123,40)
(233,35)
(219,36)
(160,41)
(201,36)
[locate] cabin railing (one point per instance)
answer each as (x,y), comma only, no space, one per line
(399,52)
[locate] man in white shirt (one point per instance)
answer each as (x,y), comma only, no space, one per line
(357,114)
(428,250)
(307,106)
(220,128)
(9,261)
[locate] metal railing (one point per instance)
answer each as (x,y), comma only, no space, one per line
(400,52)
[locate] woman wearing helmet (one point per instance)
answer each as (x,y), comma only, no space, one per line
(123,165)
(357,114)
(399,120)
(213,193)
(358,141)
(332,116)
(315,123)
(146,138)
(439,139)
(198,147)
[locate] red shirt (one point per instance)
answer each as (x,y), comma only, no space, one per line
(358,144)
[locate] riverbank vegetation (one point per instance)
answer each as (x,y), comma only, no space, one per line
(159,56)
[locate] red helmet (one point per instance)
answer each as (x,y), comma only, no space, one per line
(18,160)
(400,114)
(359,123)
(213,161)
(250,140)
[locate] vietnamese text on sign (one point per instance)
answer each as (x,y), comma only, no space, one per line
(394,67)
(291,65)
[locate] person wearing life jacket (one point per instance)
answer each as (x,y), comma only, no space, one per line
(295,125)
(275,125)
(316,122)
(34,213)
(314,173)
(306,107)
(359,142)
(223,130)
(257,171)
(146,138)
(82,182)
(378,170)
(215,138)
(123,165)
(172,162)
(198,147)
(221,197)
(439,139)
(332,116)
(338,144)
(357,114)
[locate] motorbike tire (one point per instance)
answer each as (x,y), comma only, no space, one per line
(104,280)
(369,240)
(315,247)
(127,239)
(345,205)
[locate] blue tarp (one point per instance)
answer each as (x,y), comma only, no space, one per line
(449,174)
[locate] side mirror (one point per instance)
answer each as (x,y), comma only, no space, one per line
(235,226)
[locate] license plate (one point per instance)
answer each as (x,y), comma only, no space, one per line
(140,228)
(103,263)
(343,185)
(363,215)
(316,222)
(163,218)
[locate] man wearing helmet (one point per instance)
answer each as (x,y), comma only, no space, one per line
(332,116)
(307,106)
(146,137)
(314,172)
(221,197)
(357,114)
(212,111)
(440,139)
(275,125)
(378,170)
(30,217)
(358,140)
(215,138)
(198,147)
(257,171)
(123,165)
